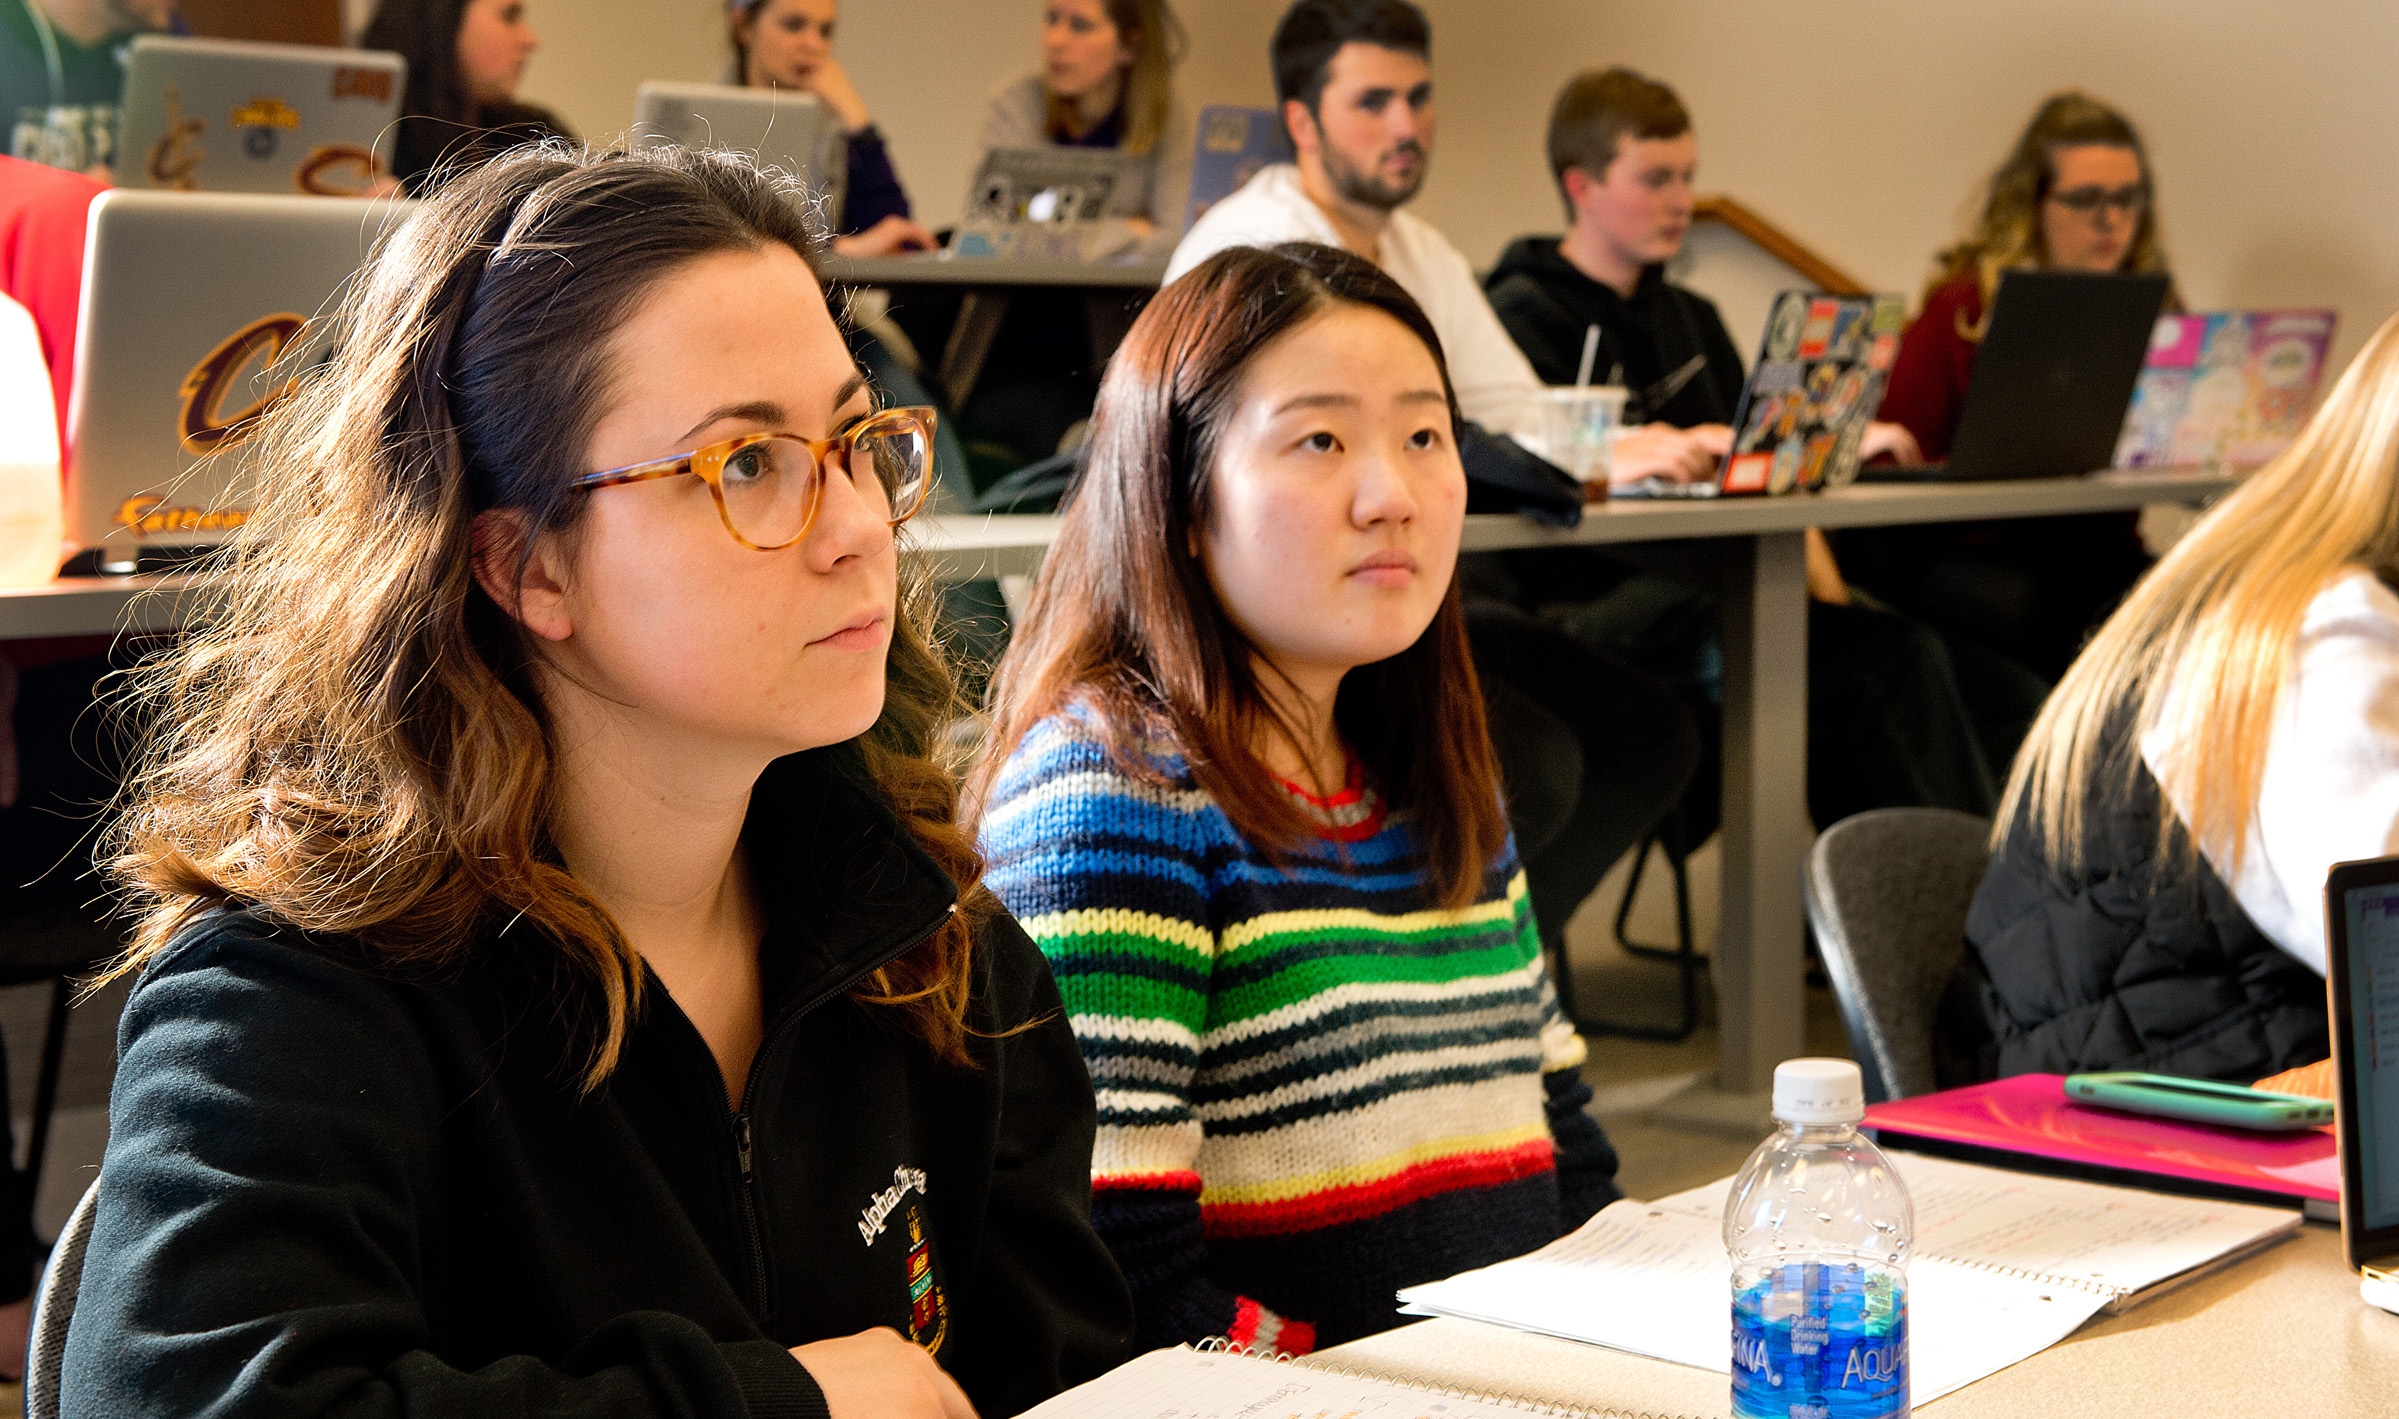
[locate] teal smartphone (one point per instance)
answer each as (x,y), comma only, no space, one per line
(2199,1100)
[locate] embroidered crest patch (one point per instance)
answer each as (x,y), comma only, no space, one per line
(928,1309)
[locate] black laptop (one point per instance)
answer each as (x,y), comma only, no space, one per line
(2055,374)
(2361,934)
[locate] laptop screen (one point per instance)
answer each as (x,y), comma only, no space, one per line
(2372,921)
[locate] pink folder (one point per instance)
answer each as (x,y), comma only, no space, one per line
(2031,1114)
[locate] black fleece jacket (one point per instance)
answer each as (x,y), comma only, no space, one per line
(1548,306)
(332,1191)
(2128,960)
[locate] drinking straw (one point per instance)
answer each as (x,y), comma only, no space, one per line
(1582,377)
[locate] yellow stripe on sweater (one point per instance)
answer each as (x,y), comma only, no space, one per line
(1371,1170)
(1121,921)
(1351,920)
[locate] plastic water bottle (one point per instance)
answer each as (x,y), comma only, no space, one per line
(1818,1226)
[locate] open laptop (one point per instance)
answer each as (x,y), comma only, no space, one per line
(2361,908)
(2052,380)
(217,115)
(781,128)
(2227,388)
(1232,146)
(1803,413)
(197,313)
(1044,204)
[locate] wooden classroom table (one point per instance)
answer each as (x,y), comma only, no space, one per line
(1759,547)
(1113,294)
(2282,1333)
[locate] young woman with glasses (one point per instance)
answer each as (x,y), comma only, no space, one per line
(1240,790)
(559,985)
(2075,194)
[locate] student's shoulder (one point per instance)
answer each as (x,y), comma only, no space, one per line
(1959,295)
(243,961)
(1426,246)
(1700,309)
(1071,751)
(1018,109)
(1259,213)
(236,993)
(2356,609)
(1065,781)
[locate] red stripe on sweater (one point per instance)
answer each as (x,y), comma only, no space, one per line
(1336,1206)
(1146,1182)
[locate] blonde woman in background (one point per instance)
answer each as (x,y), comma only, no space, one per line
(2155,898)
(1107,81)
(2076,193)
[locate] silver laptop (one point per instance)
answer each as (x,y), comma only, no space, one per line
(217,115)
(1043,204)
(781,128)
(199,309)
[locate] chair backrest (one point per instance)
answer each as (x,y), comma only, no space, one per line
(1887,893)
(55,1306)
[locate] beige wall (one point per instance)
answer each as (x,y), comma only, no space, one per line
(1860,127)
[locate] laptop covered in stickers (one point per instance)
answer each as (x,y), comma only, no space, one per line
(220,115)
(1803,413)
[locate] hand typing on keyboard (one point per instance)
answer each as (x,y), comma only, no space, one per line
(1661,453)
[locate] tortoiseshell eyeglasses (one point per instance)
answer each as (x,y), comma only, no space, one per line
(767,486)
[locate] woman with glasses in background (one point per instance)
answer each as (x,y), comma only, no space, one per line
(560,984)
(2075,194)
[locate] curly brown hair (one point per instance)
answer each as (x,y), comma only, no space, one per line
(2007,235)
(356,749)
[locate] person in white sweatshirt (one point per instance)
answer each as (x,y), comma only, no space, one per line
(1355,82)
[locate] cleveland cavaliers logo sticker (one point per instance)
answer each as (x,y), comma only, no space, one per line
(204,425)
(336,170)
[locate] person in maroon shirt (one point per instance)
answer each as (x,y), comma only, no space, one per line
(2075,195)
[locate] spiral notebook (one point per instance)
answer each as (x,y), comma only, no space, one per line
(2005,1265)
(1215,1382)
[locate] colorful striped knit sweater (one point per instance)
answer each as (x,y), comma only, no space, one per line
(1312,1089)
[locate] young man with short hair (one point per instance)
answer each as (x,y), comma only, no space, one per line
(1355,82)
(1624,157)
(1897,714)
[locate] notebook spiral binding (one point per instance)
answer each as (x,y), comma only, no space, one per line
(1218,1345)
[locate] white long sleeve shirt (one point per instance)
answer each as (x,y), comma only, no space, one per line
(2330,792)
(1495,383)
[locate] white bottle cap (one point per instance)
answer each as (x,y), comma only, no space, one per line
(1819,1091)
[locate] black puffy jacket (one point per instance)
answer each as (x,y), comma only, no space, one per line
(331,1191)
(2131,960)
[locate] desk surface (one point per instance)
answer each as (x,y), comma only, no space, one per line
(930,270)
(972,546)
(2282,1333)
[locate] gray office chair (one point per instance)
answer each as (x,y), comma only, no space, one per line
(1887,893)
(55,1306)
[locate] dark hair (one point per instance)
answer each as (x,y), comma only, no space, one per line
(357,749)
(1597,108)
(1124,622)
(1311,32)
(441,127)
